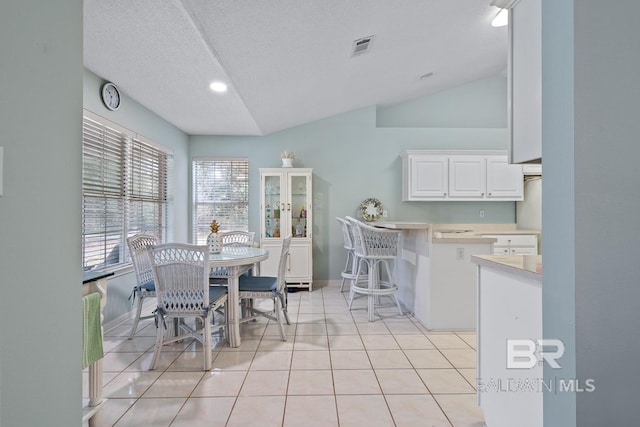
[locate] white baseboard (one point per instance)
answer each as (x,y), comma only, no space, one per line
(126,317)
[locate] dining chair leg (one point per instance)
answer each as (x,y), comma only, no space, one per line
(159,340)
(346,271)
(284,308)
(136,320)
(391,281)
(279,312)
(371,298)
(206,345)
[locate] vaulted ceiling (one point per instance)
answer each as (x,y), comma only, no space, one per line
(286,62)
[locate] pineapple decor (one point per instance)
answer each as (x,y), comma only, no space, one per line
(214,240)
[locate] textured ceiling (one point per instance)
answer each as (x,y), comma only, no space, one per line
(287,62)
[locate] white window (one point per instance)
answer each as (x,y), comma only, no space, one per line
(125,190)
(220,192)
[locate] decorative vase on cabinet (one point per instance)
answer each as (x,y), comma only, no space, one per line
(286,209)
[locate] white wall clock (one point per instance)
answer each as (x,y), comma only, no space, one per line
(110,96)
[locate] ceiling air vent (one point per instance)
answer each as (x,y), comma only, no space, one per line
(361,46)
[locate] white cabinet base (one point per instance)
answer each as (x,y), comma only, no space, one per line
(509,307)
(298,263)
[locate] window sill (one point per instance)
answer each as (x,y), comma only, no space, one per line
(119,270)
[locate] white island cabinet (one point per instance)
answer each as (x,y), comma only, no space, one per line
(509,308)
(286,208)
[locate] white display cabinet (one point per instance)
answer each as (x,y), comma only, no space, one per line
(286,208)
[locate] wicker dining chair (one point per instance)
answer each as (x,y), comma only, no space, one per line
(275,288)
(181,273)
(145,286)
(351,263)
(238,238)
(235,238)
(375,248)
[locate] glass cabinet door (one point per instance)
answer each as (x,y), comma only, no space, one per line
(299,192)
(273,203)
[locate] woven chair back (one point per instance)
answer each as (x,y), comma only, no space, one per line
(138,245)
(181,273)
(372,242)
(347,234)
(238,238)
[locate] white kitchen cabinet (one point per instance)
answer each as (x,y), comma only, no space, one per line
(514,244)
(504,181)
(460,175)
(425,176)
(467,176)
(286,208)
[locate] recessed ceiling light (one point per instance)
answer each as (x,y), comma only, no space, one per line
(218,87)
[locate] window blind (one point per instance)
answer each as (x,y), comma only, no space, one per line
(220,192)
(124,191)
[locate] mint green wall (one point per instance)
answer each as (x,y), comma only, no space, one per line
(352,159)
(139,119)
(559,204)
(40,271)
(590,193)
(479,104)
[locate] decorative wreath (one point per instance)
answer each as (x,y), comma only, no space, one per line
(371,209)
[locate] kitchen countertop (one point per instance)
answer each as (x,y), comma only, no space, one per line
(473,233)
(526,266)
(456,233)
(401,225)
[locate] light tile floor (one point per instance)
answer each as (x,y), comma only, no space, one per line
(335,369)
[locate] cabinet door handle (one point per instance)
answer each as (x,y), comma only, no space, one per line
(288,262)
(282,206)
(444,194)
(288,206)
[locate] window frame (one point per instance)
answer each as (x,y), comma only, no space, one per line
(202,217)
(138,187)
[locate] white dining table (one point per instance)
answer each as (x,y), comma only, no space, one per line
(236,260)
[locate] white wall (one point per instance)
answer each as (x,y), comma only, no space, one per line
(40,271)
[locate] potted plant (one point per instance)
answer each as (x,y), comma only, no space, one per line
(287,158)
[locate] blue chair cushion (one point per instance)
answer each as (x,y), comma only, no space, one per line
(258,283)
(215,292)
(149,286)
